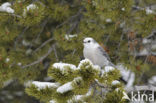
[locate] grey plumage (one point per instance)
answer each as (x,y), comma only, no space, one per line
(95,53)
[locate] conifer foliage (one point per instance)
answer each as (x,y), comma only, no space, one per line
(79,84)
(35,34)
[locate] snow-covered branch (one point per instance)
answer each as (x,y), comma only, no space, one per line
(6,7)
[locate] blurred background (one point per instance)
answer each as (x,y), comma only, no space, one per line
(34,34)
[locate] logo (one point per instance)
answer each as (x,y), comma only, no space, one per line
(139,96)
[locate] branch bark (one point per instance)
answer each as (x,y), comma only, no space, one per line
(40,59)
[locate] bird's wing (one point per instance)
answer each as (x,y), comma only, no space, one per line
(103,52)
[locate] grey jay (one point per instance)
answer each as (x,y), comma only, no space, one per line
(95,53)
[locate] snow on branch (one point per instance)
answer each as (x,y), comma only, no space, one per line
(28,8)
(109,69)
(126,74)
(6,7)
(68,86)
(152,80)
(147,9)
(70,36)
(106,70)
(62,66)
(43,85)
(115,82)
(52,101)
(96,67)
(64,88)
(80,97)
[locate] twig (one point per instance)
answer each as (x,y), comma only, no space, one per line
(25,29)
(12,15)
(100,84)
(118,47)
(73,52)
(43,26)
(70,19)
(55,52)
(43,44)
(40,59)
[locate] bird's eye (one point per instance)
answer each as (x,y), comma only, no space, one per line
(88,41)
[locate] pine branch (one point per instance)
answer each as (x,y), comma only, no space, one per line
(100,84)
(40,59)
(55,52)
(14,15)
(43,26)
(70,18)
(20,35)
(43,44)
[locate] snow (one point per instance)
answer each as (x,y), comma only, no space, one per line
(25,43)
(62,66)
(89,92)
(67,86)
(7,60)
(130,80)
(82,62)
(102,73)
(145,41)
(64,88)
(29,7)
(144,52)
(96,67)
(106,70)
(77,79)
(43,85)
(19,64)
(52,101)
(123,9)
(5,7)
(108,20)
(79,97)
(109,69)
(115,82)
(117,89)
(149,11)
(152,80)
(69,36)
(127,75)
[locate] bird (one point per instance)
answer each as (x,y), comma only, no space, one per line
(95,53)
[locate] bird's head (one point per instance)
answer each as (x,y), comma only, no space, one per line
(89,42)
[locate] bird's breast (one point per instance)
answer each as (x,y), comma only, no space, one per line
(89,53)
(95,56)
